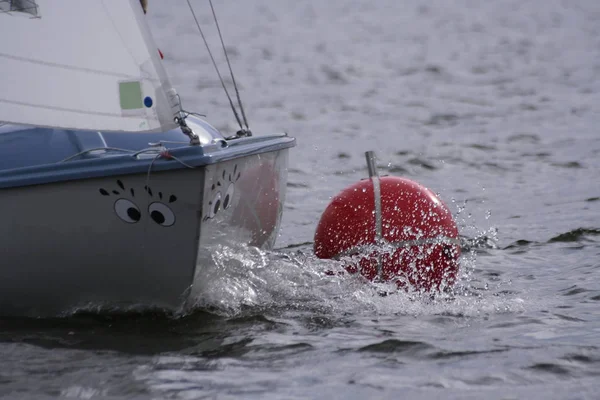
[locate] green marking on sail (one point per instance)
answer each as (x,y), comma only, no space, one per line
(130,94)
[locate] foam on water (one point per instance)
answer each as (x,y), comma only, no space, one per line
(248,280)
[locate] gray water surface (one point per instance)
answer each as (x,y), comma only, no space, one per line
(494,105)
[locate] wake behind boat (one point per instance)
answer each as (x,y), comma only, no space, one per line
(111,193)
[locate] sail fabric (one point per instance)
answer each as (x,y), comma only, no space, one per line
(81,64)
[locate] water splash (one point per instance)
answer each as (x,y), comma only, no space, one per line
(247,280)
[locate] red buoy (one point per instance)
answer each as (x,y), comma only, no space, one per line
(396,229)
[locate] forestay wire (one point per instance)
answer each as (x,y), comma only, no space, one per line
(242,132)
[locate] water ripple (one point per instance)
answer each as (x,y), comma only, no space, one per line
(576,235)
(403,347)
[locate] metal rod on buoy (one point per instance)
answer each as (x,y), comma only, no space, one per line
(374,176)
(370,155)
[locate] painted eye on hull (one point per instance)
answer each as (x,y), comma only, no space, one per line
(228,196)
(127,211)
(215,205)
(161,214)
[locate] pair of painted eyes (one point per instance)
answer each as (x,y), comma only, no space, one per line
(216,201)
(129,212)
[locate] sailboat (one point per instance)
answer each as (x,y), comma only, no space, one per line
(112,194)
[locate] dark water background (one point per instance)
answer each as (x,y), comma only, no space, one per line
(494,105)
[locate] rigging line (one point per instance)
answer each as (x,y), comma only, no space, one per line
(94,149)
(237,117)
(186,113)
(237,92)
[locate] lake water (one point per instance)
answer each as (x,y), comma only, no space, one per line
(493,105)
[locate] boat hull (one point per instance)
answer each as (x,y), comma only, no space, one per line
(133,239)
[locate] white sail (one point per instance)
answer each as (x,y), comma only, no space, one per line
(82,64)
